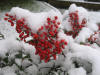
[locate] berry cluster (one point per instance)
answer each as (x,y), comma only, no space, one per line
(10,19)
(94,37)
(74,21)
(45,39)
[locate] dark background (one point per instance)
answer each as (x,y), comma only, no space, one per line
(93,0)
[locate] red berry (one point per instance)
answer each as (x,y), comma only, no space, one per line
(41,27)
(56,26)
(12,24)
(11,16)
(10,21)
(48,19)
(54,21)
(5,18)
(19,30)
(25,26)
(58,23)
(13,19)
(48,58)
(35,36)
(51,33)
(62,41)
(46,27)
(63,46)
(48,23)
(21,34)
(19,21)
(6,14)
(56,17)
(24,40)
(65,43)
(54,56)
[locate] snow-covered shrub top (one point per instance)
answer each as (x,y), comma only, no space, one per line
(34,20)
(78,24)
(81,12)
(77,19)
(42,27)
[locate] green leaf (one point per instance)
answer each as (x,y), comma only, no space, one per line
(18,55)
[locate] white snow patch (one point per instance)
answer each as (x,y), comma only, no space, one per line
(77,71)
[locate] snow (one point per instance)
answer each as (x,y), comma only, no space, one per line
(32,70)
(93,26)
(77,71)
(67,25)
(87,57)
(18,61)
(7,71)
(83,35)
(9,45)
(34,20)
(6,29)
(94,16)
(89,54)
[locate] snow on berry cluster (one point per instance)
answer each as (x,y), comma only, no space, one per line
(94,38)
(78,24)
(45,40)
(74,21)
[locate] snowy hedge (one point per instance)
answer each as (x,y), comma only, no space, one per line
(51,43)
